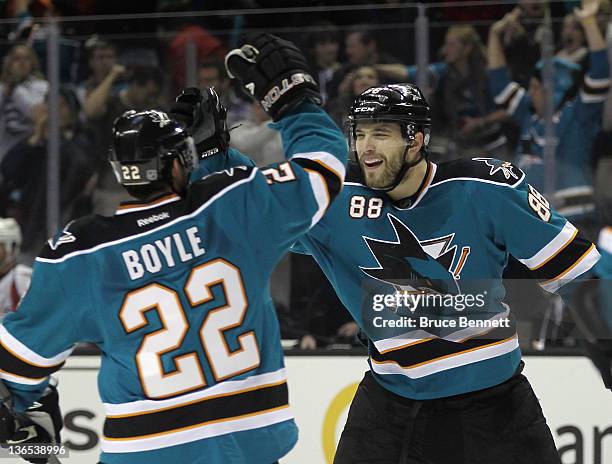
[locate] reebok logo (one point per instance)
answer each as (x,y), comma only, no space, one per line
(151,219)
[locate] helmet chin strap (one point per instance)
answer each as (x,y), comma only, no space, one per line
(402,172)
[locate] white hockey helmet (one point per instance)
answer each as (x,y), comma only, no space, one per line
(10,235)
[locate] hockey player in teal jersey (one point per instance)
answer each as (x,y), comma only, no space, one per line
(173,287)
(406,226)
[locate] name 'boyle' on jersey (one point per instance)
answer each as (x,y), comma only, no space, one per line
(454,239)
(174,293)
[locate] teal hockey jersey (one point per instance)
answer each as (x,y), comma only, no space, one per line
(454,237)
(174,293)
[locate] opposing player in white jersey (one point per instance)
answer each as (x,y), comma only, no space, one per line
(14,278)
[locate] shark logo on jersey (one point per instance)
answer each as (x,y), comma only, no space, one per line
(61,237)
(498,165)
(412,265)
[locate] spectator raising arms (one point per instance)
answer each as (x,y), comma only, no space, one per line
(577,115)
(573,42)
(102,61)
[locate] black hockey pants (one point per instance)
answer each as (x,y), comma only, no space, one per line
(500,425)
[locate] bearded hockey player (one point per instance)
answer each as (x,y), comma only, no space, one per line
(406,226)
(173,287)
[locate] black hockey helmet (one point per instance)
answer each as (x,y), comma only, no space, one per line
(205,118)
(144,145)
(402,103)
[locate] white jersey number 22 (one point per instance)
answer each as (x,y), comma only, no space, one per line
(188,374)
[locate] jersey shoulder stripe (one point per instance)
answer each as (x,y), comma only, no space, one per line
(91,233)
(333,181)
(353,173)
(480,169)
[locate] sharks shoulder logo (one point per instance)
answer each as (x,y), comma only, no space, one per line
(412,265)
(498,165)
(63,236)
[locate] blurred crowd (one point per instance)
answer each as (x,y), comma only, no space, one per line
(484,86)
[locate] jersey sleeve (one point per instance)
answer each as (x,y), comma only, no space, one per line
(274,205)
(524,223)
(38,337)
(233,158)
(594,89)
(509,95)
(436,72)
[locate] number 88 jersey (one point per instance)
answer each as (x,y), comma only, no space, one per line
(453,237)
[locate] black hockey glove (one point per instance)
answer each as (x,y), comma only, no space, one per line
(274,71)
(600,354)
(40,424)
(186,106)
(205,119)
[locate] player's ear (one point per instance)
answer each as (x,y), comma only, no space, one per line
(417,142)
(180,176)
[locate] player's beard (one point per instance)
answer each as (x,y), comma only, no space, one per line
(384,176)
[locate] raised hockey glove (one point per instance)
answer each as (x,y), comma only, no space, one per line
(186,106)
(205,118)
(40,424)
(273,71)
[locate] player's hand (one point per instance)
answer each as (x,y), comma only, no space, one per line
(187,106)
(40,424)
(274,71)
(204,116)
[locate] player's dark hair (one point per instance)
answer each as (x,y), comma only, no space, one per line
(144,192)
